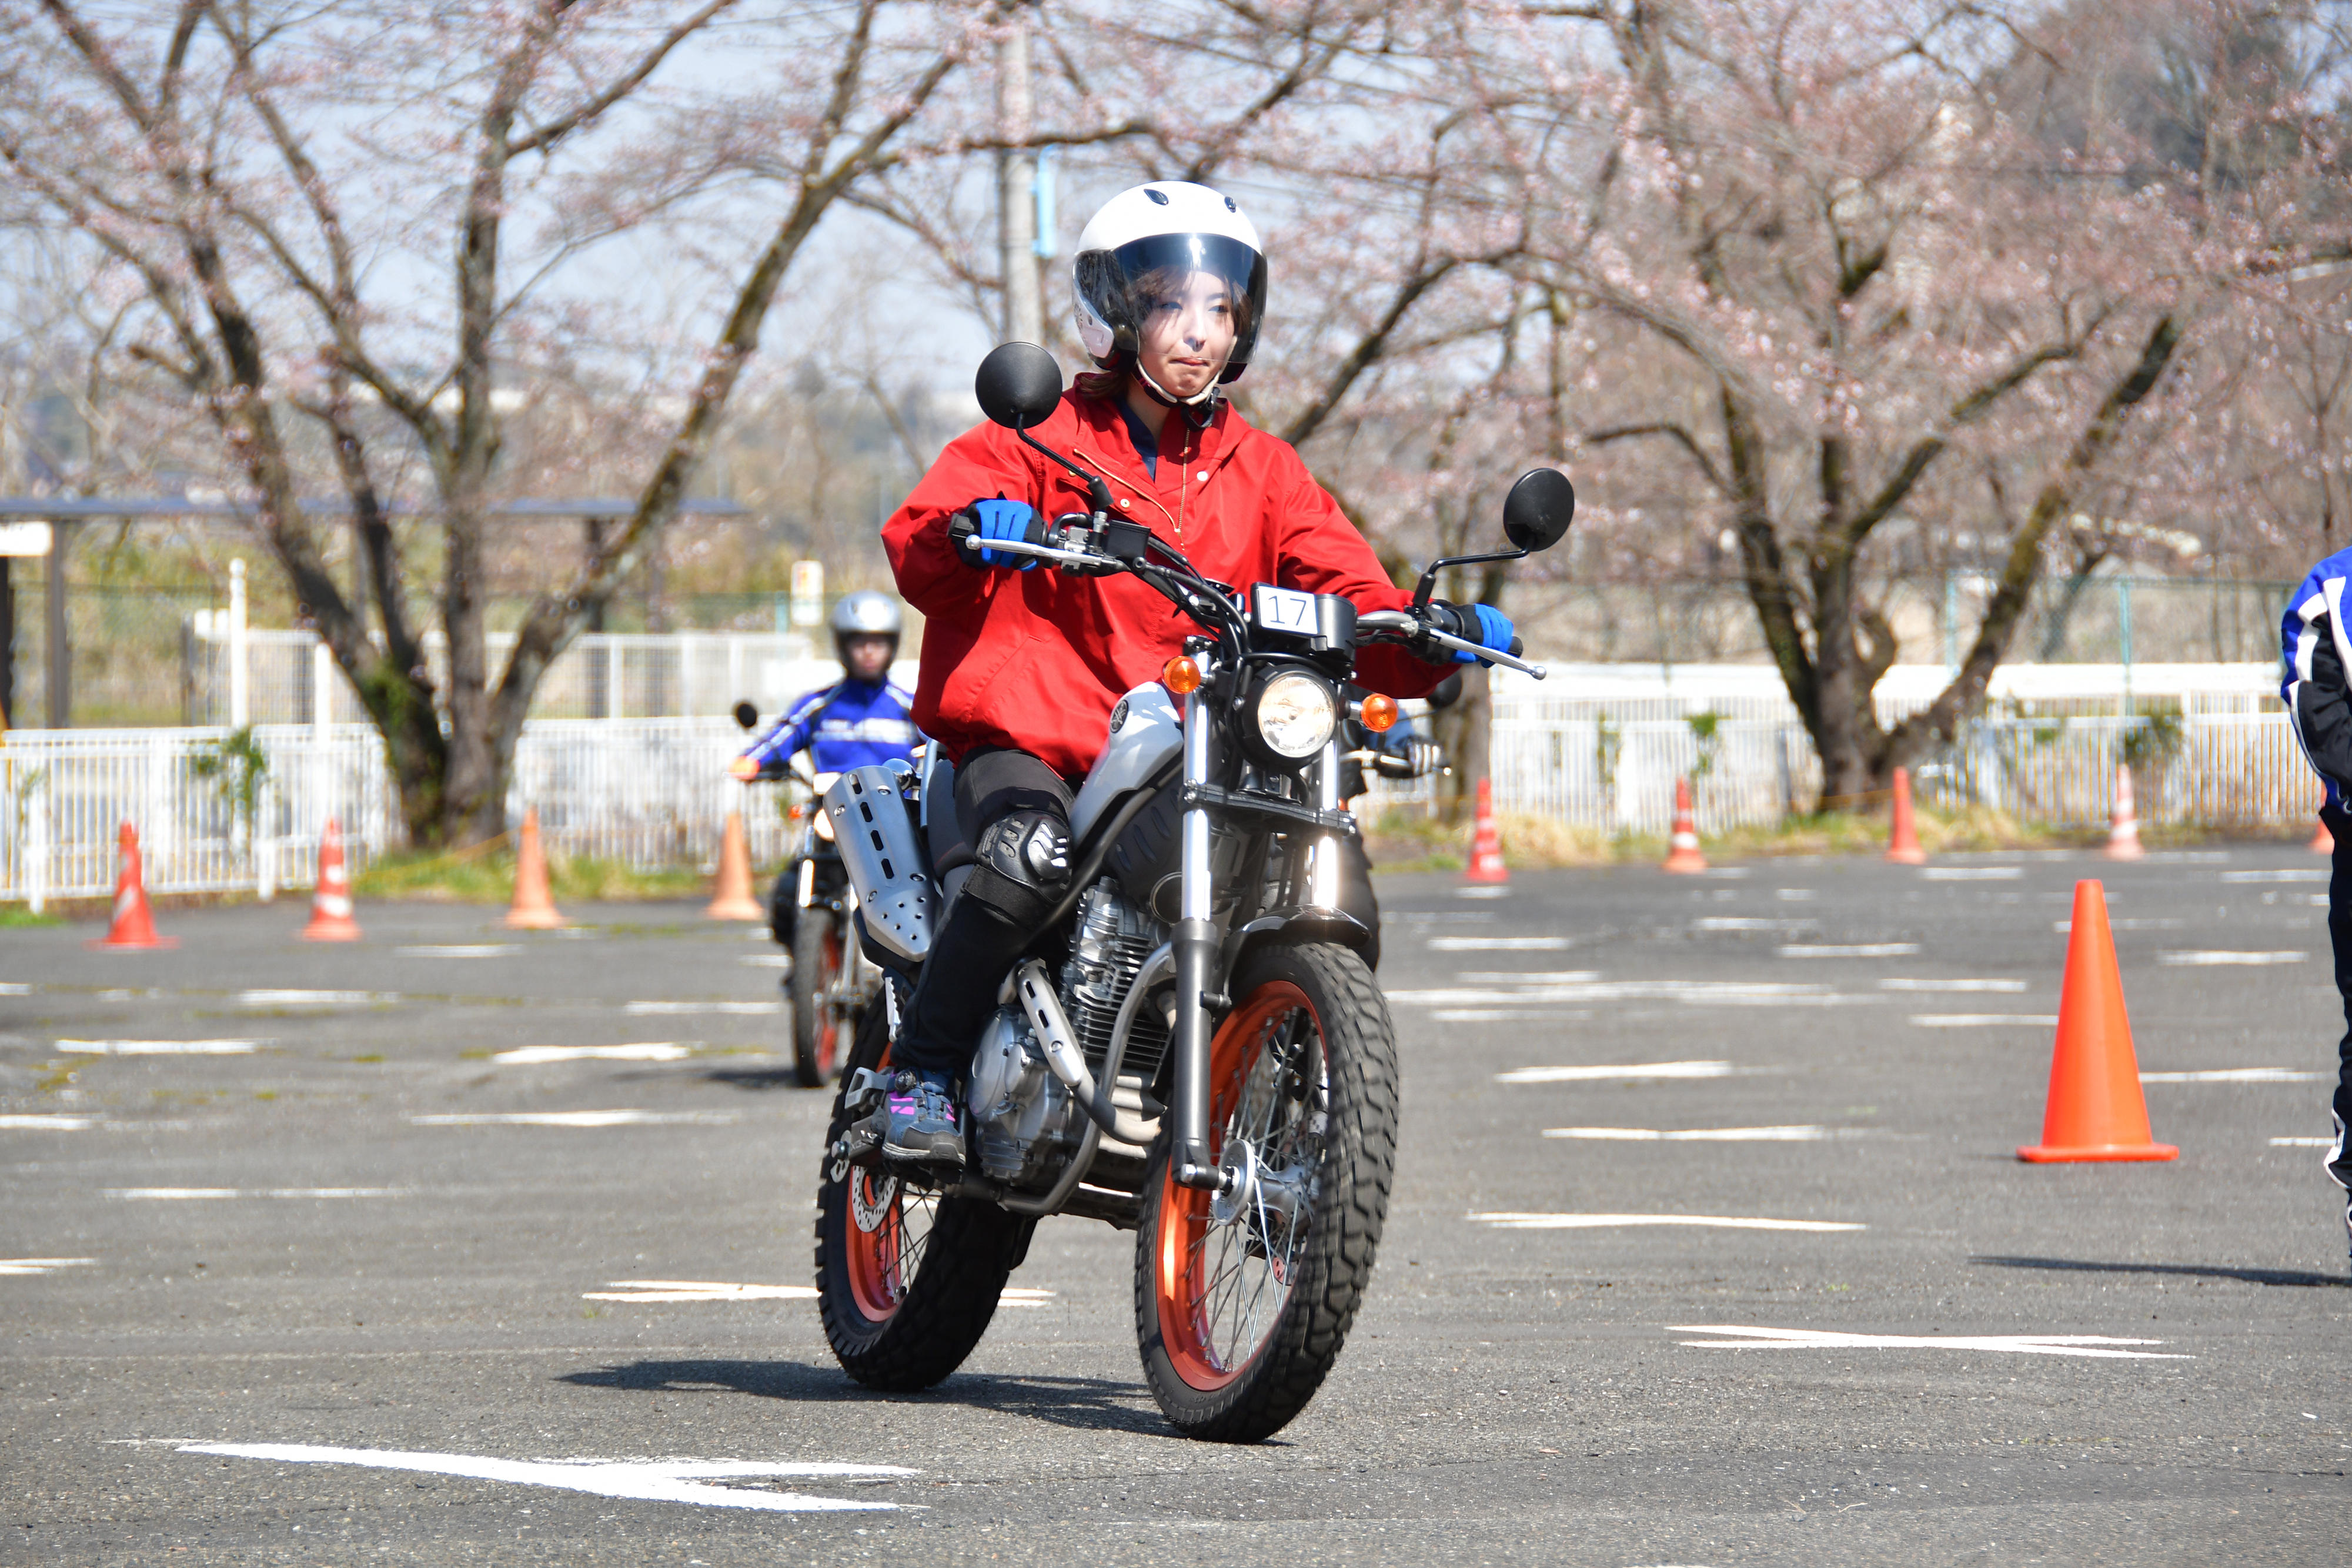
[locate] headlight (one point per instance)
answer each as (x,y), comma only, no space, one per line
(1295,716)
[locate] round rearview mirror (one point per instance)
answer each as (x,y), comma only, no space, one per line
(1018,386)
(747,716)
(1537,512)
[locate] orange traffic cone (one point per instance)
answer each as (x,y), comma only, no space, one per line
(2123,836)
(533,909)
(2097,1111)
(1903,843)
(331,906)
(2323,842)
(731,899)
(1682,848)
(134,922)
(1485,842)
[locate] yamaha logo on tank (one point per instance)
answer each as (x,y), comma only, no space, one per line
(1118,715)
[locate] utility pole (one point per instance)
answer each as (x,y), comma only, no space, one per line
(1016,177)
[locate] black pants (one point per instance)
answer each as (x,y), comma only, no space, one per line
(2339,934)
(991,919)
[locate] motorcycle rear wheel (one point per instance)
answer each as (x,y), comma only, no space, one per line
(817,984)
(1242,1308)
(907,1281)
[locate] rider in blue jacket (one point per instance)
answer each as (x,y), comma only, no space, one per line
(2317,651)
(864,717)
(861,718)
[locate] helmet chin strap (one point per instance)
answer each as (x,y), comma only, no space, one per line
(1161,395)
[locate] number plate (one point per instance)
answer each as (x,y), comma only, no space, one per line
(1283,610)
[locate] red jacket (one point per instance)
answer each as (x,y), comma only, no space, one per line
(1037,659)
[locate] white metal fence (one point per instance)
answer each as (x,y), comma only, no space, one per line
(649,792)
(655,792)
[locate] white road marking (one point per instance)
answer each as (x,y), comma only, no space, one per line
(461,950)
(1972,873)
(648,1481)
(9,1266)
(46,1122)
(1024,1296)
(698,1290)
(1951,985)
(2083,1345)
(1641,1069)
(1985,1020)
(767,960)
(645,1009)
(1530,976)
(538,1055)
(2142,923)
(1695,1135)
(1496,944)
(170,1194)
(576,1119)
(1506,1221)
(2309,873)
(1748,923)
(2303,1143)
(1849,950)
(15,988)
(2208,959)
(1482,893)
(2235,1075)
(160,1047)
(283,998)
(1794,895)
(1500,1015)
(1567,988)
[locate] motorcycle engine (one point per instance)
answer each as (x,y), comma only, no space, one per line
(1109,946)
(1024,1119)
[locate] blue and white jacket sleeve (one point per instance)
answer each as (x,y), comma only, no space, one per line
(2316,655)
(791,733)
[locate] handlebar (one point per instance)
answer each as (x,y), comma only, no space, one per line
(1404,621)
(962,535)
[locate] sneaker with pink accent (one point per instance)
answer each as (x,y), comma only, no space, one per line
(921,1126)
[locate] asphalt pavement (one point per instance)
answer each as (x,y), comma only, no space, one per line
(1709,1246)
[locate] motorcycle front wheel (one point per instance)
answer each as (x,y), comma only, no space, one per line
(816,987)
(907,1280)
(1244,1298)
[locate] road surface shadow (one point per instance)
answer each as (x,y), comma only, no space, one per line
(2202,1270)
(1089,1404)
(754,1078)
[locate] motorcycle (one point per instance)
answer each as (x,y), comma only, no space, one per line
(1194,1048)
(831,981)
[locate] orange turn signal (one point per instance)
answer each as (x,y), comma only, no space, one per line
(743,768)
(1379,712)
(1180,676)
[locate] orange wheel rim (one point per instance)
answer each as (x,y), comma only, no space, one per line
(883,1251)
(1222,1280)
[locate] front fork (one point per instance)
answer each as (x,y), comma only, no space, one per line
(1194,948)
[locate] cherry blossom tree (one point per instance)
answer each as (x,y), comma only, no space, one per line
(1874,287)
(356,231)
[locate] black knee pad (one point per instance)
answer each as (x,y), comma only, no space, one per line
(1024,865)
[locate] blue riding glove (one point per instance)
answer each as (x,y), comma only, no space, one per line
(1492,629)
(1001,520)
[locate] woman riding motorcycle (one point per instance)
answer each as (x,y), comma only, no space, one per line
(1021,668)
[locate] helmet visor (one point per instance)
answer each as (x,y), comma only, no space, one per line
(1121,287)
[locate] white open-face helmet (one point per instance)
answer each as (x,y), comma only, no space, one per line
(865,613)
(1142,237)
